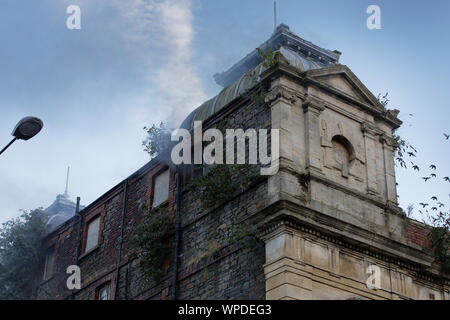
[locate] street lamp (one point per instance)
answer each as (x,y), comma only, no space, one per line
(25,129)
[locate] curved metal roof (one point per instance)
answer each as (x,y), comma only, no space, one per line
(246,82)
(282,37)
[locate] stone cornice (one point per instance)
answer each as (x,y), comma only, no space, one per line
(351,237)
(391,115)
(365,197)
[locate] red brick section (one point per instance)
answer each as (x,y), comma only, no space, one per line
(99,266)
(418,234)
(235,272)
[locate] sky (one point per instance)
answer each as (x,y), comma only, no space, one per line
(138,62)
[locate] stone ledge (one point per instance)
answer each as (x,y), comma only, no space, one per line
(351,237)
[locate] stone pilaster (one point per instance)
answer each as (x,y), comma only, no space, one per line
(285,279)
(284,184)
(370,138)
(389,166)
(312,109)
(281,100)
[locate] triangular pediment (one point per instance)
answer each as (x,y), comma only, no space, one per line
(342,80)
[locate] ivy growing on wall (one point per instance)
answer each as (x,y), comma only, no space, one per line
(239,233)
(246,234)
(440,242)
(222,182)
(151,238)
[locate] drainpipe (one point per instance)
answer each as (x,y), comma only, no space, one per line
(80,229)
(78,249)
(119,253)
(177,234)
(126,282)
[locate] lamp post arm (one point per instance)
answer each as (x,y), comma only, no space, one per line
(8,145)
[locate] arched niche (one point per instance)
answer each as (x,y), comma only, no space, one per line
(344,154)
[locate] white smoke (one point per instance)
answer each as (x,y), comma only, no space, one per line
(161,33)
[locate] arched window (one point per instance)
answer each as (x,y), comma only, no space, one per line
(343,153)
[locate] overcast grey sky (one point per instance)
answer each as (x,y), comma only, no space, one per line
(137,62)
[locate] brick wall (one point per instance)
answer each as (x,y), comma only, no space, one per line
(418,234)
(235,270)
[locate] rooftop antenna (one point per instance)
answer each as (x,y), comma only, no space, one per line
(274,15)
(66,193)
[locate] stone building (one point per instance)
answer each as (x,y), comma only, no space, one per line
(328,222)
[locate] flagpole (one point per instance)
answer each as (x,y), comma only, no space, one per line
(274,14)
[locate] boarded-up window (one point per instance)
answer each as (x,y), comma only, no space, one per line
(161,189)
(49,263)
(103,293)
(92,234)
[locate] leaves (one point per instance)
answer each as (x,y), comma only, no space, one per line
(151,238)
(268,56)
(440,242)
(404,149)
(439,220)
(222,182)
(257,94)
(157,140)
(21,251)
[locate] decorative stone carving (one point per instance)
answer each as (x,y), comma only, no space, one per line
(281,93)
(389,140)
(393,113)
(313,105)
(368,128)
